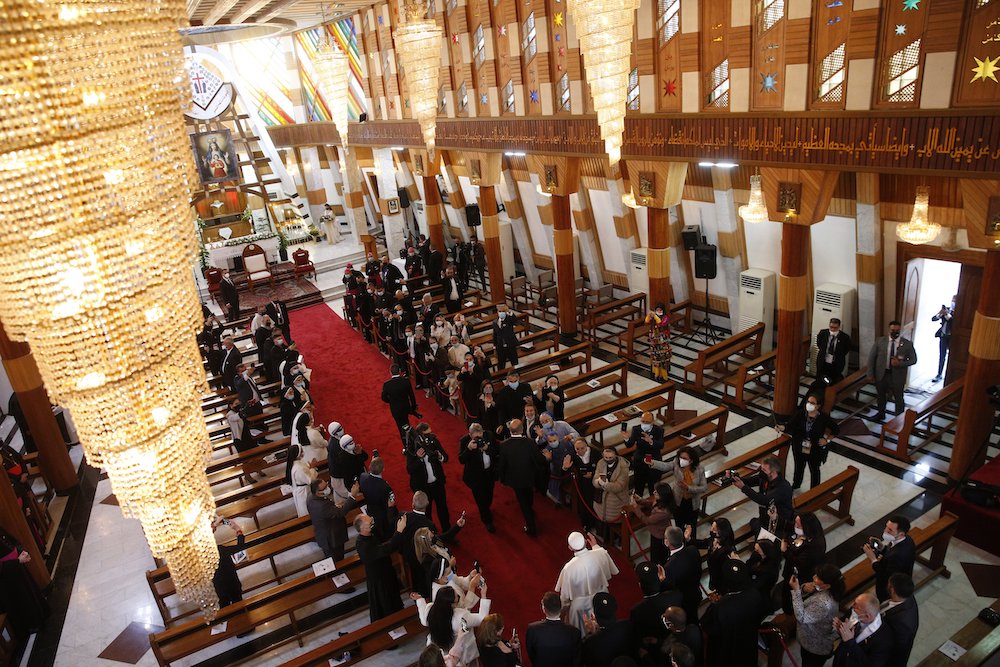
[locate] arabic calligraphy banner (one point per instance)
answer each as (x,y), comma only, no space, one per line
(882,142)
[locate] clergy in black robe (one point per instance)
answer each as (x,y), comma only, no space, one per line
(380,575)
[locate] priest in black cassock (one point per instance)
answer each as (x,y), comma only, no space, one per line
(383,585)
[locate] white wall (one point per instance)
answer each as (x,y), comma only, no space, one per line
(539,236)
(703,214)
(604,222)
(764,245)
(834,240)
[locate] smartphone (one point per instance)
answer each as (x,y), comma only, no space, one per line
(462,515)
(465,624)
(476,567)
(624,427)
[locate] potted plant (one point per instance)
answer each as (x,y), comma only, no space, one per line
(282,247)
(314,232)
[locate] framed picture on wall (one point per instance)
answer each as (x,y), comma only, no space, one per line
(392,205)
(215,155)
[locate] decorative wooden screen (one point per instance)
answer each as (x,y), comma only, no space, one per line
(668,55)
(978,68)
(830,31)
(901,56)
(714,39)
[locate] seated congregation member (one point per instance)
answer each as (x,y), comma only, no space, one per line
(608,637)
(774,498)
(731,623)
(299,475)
(552,642)
(512,399)
(683,633)
(346,461)
(550,398)
(647,441)
(898,553)
(720,545)
(810,431)
(379,497)
(555,450)
(329,517)
(478,455)
(494,650)
(585,575)
(610,489)
(901,616)
(444,618)
(425,459)
(647,615)
(864,640)
(803,552)
(682,571)
(688,485)
(442,574)
(814,615)
(581,464)
(765,566)
(380,575)
(656,514)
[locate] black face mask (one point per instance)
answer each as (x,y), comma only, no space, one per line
(894,335)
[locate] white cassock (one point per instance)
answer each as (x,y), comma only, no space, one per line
(302,476)
(584,576)
(316,447)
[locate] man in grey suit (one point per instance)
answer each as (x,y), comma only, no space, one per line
(888,361)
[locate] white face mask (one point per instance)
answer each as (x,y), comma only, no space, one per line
(246,375)
(326,491)
(834,333)
(888,537)
(684,463)
(799,532)
(646,427)
(811,408)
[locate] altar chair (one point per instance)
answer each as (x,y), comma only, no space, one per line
(302,265)
(214,277)
(255,263)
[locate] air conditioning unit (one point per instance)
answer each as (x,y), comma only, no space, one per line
(638,271)
(831,300)
(757,290)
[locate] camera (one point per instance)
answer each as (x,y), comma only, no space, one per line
(875,543)
(374,453)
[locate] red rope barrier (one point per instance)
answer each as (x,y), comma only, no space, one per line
(781,638)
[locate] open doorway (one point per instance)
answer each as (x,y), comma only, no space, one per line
(931,285)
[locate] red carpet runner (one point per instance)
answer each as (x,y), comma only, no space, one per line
(346,385)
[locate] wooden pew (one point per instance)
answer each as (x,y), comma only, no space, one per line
(658,399)
(745,344)
(848,386)
(611,375)
(367,641)
(700,426)
(681,322)
(933,538)
(753,371)
(576,355)
(186,639)
(597,315)
(980,640)
(901,427)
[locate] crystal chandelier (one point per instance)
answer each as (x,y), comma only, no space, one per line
(96,252)
(919,230)
(604,28)
(332,69)
(418,47)
(629,199)
(755,210)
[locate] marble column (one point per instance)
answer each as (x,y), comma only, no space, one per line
(868,260)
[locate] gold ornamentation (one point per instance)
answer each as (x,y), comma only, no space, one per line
(754,211)
(919,229)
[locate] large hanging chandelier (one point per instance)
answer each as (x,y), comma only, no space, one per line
(418,47)
(755,210)
(332,68)
(604,28)
(96,252)
(919,229)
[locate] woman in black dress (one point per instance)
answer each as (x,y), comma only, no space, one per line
(489,414)
(720,544)
(494,651)
(803,554)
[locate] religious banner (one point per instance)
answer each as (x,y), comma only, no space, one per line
(215,155)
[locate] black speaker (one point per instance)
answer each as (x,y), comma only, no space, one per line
(705,265)
(472,215)
(363,117)
(404,198)
(690,236)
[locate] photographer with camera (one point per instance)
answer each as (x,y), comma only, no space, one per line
(477,453)
(425,459)
(896,552)
(943,334)
(774,497)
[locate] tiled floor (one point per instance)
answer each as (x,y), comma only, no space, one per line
(110,591)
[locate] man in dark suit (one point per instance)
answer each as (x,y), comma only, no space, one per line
(512,399)
(231,360)
(478,455)
(391,276)
(246,388)
(646,615)
(647,438)
(833,345)
(379,498)
(520,467)
(418,518)
(329,518)
(682,571)
(453,292)
(551,642)
(775,491)
(898,554)
(731,622)
(230,296)
(681,632)
(425,465)
(943,334)
(505,337)
(434,263)
(902,617)
(888,361)
(398,393)
(867,643)
(278,312)
(428,312)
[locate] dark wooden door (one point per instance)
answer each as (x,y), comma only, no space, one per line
(911,296)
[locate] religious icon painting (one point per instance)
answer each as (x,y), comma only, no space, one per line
(993,217)
(418,161)
(215,155)
(475,171)
(646,184)
(551,183)
(789,195)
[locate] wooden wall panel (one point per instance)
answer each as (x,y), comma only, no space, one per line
(863,36)
(739,47)
(979,38)
(689,51)
(797,41)
(645,56)
(943,33)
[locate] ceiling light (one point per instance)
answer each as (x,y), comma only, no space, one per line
(755,211)
(919,229)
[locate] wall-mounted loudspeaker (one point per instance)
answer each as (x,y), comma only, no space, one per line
(472,215)
(690,236)
(404,197)
(705,265)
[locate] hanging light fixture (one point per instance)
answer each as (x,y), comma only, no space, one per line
(96,250)
(332,69)
(629,199)
(418,47)
(919,229)
(755,210)
(604,28)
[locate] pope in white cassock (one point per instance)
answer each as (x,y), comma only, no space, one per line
(586,574)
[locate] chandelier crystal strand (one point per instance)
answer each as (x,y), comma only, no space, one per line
(604,28)
(332,68)
(96,250)
(418,45)
(754,211)
(919,229)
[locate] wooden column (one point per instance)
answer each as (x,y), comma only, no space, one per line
(12,520)
(658,262)
(793,296)
(53,458)
(432,207)
(560,177)
(491,241)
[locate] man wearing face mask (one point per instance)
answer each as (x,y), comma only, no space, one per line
(328,514)
(453,292)
(864,642)
(833,345)
(246,388)
(582,463)
(888,361)
(520,466)
(898,553)
(512,399)
(811,431)
(647,439)
(391,276)
(505,337)
(775,495)
(943,334)
(547,426)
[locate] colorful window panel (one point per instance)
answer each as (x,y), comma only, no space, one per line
(268,81)
(307,42)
